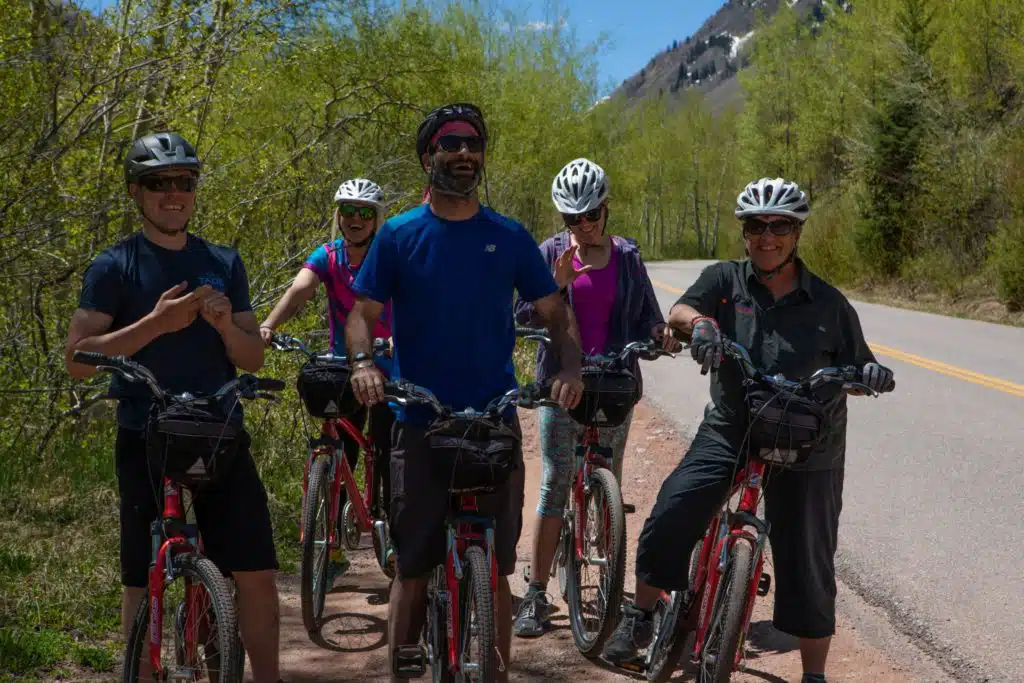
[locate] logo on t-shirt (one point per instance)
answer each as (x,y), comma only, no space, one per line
(212,279)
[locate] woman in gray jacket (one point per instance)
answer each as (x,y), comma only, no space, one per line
(607,286)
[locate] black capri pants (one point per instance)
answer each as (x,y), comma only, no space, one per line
(802,507)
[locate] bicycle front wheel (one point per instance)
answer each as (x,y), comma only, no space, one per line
(477,656)
(595,582)
(199,635)
(725,628)
(316,549)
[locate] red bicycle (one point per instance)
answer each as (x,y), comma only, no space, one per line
(727,565)
(594,523)
(186,437)
(323,385)
(459,636)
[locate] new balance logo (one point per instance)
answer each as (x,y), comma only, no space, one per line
(490,248)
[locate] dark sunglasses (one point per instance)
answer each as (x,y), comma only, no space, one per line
(367,213)
(454,143)
(592,216)
(160,183)
(756,226)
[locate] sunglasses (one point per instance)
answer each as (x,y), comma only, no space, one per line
(756,226)
(592,216)
(367,213)
(160,183)
(454,143)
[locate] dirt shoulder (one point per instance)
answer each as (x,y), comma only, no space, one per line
(354,647)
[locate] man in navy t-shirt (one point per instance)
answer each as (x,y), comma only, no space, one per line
(180,306)
(450,269)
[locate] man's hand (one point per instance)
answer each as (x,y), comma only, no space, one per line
(368,383)
(215,308)
(267,335)
(173,313)
(565,272)
(878,377)
(567,389)
(660,334)
(706,345)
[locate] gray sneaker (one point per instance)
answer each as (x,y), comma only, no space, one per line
(635,631)
(533,615)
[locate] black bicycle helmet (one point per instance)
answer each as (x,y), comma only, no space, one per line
(457,111)
(156,151)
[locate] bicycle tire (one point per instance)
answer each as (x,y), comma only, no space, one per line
(378,510)
(477,584)
(203,571)
(729,612)
(603,481)
(313,593)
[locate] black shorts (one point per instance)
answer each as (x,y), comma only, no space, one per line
(802,507)
(232,513)
(420,504)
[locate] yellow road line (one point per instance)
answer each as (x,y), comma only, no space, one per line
(936,366)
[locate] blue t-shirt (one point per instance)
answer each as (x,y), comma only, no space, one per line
(451,286)
(125,282)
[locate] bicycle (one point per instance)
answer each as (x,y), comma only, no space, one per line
(187,434)
(460,594)
(727,565)
(610,392)
(323,385)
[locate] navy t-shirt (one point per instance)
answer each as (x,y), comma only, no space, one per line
(451,286)
(125,282)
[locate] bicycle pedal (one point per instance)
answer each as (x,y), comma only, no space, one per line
(763,584)
(628,508)
(410,661)
(636,665)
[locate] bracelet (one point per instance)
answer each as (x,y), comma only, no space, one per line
(700,318)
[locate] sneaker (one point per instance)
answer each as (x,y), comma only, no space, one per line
(635,631)
(533,615)
(814,678)
(337,564)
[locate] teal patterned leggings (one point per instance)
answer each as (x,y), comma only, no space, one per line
(558,437)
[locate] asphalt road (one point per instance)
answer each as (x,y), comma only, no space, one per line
(931,528)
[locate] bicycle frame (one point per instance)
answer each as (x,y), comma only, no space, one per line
(461,535)
(184,538)
(748,483)
(589,455)
(330,445)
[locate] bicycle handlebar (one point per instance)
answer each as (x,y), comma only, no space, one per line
(246,385)
(406,393)
(288,343)
(848,375)
(647,349)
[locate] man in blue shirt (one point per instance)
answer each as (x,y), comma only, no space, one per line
(450,268)
(179,305)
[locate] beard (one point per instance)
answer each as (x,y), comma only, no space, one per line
(444,180)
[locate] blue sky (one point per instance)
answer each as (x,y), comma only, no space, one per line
(636,29)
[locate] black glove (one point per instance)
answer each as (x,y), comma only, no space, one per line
(706,344)
(878,377)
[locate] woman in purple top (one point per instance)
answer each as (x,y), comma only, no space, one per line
(358,213)
(613,300)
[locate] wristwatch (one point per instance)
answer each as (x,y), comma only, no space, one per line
(361,358)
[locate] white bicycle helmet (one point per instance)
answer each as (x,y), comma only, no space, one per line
(772,197)
(580,186)
(361,190)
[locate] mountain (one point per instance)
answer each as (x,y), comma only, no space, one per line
(709,60)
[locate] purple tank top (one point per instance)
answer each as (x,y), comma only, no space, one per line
(593,296)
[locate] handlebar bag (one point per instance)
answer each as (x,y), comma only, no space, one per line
(192,444)
(325,389)
(608,396)
(783,428)
(480,455)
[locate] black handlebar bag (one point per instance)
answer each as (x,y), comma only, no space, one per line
(608,396)
(325,389)
(480,455)
(784,429)
(192,444)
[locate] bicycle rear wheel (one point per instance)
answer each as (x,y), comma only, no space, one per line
(478,662)
(725,628)
(594,616)
(435,628)
(216,658)
(315,546)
